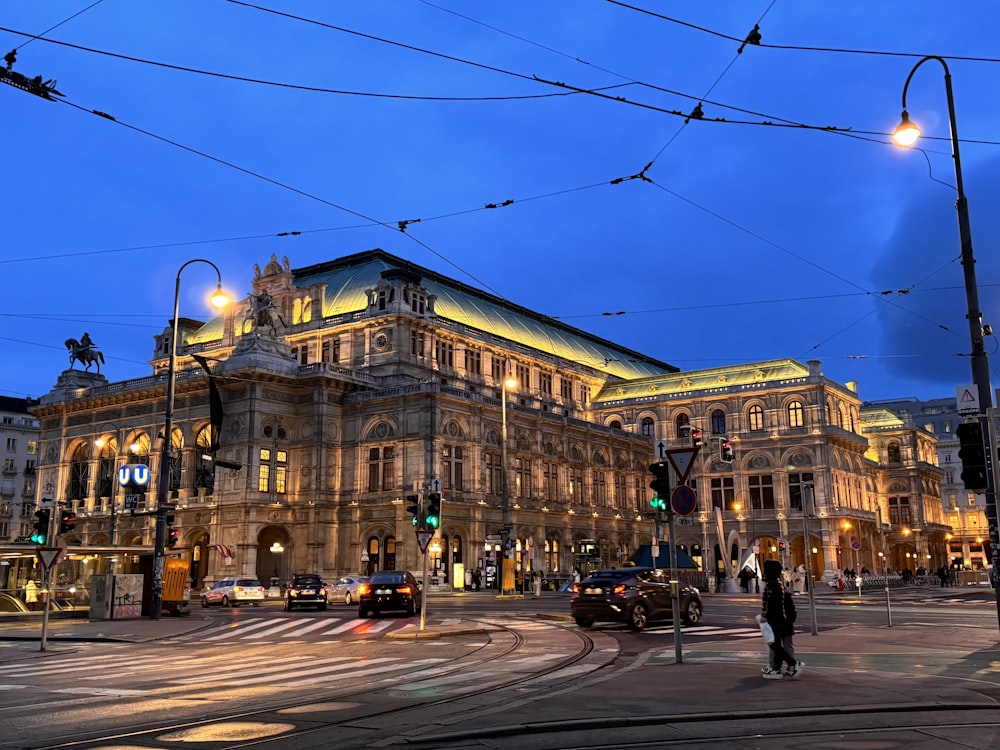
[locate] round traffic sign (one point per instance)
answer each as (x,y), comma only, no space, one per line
(855,545)
(683,500)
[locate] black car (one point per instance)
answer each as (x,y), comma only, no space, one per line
(388,591)
(634,596)
(305,590)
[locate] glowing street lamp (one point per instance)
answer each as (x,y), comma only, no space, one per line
(906,135)
(218,299)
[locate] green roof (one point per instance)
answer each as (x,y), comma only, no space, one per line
(348,278)
(769,371)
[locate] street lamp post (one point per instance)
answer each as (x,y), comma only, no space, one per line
(218,299)
(505,529)
(906,135)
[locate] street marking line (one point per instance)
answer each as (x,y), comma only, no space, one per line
(270,631)
(266,673)
(328,672)
(363,672)
(349,625)
(238,628)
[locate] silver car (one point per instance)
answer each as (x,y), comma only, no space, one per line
(346,589)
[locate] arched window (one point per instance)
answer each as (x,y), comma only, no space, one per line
(718,422)
(615,424)
(390,553)
(176,461)
(682,421)
(552,555)
(204,469)
(755,418)
(79,473)
(648,427)
(106,469)
(796,416)
(893,453)
(373,550)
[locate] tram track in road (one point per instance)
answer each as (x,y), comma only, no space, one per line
(507,660)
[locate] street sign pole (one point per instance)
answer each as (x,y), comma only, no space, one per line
(675,590)
(423,594)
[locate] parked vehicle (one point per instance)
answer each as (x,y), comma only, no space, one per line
(232,592)
(389,591)
(305,590)
(634,596)
(346,589)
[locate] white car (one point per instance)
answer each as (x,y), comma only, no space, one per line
(346,589)
(232,592)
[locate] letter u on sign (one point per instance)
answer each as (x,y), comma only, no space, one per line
(133,475)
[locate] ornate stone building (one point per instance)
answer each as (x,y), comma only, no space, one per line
(348,385)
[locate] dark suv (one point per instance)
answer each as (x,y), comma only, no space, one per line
(634,596)
(305,590)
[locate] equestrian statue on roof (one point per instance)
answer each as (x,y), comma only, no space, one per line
(85,352)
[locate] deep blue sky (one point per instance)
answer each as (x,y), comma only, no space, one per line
(750,242)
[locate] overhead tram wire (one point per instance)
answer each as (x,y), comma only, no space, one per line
(799,47)
(769,120)
(33,37)
(295,86)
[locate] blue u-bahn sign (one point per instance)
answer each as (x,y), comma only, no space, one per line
(133,475)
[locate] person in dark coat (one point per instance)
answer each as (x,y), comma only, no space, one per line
(778,610)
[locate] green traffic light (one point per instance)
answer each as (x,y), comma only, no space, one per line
(433,522)
(38,538)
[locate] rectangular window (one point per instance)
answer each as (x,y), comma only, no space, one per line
(494,477)
(8,466)
(444,353)
(566,389)
(723,493)
(330,351)
(523,377)
(11,445)
(576,484)
(32,447)
(451,467)
(795,491)
(474,361)
(522,470)
(899,510)
(417,343)
(600,488)
(585,394)
(545,383)
(496,368)
(264,478)
(761,491)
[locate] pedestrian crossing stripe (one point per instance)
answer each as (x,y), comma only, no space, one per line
(709,630)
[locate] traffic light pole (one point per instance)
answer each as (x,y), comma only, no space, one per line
(675,590)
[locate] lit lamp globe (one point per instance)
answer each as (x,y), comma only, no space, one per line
(907,132)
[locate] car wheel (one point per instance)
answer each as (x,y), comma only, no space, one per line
(411,610)
(322,607)
(638,617)
(204,602)
(692,615)
(584,622)
(225,601)
(362,613)
(348,599)
(256,604)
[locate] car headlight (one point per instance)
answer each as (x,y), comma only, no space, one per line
(293,592)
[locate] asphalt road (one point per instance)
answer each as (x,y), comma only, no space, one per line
(511,673)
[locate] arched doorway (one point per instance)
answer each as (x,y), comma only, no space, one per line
(273,555)
(816,560)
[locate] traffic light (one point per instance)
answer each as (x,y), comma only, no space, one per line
(726,450)
(432,516)
(413,508)
(67,521)
(972,453)
(41,533)
(173,535)
(660,485)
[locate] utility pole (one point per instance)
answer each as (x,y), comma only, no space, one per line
(36,86)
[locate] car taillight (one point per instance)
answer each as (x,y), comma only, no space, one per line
(403,590)
(363,589)
(619,589)
(323,592)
